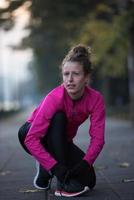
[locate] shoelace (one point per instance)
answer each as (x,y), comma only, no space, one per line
(50,180)
(49,185)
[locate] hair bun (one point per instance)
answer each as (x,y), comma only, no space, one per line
(81,50)
(80,53)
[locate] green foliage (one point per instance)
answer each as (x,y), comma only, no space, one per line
(108,39)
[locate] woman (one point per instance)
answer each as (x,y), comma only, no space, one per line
(48,133)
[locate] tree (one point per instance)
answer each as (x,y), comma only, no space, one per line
(130,26)
(109,30)
(53,25)
(6,12)
(57,25)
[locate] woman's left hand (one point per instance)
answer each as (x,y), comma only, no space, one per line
(80,168)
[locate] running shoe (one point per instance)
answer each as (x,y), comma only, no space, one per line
(42,179)
(70,189)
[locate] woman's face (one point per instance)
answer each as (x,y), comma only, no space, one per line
(74,79)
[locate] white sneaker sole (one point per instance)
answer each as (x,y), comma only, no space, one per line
(66,194)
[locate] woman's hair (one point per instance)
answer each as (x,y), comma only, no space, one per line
(81,54)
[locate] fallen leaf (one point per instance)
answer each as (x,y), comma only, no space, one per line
(124,164)
(30,191)
(128,180)
(101,167)
(4,173)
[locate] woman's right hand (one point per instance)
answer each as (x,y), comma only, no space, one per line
(60,171)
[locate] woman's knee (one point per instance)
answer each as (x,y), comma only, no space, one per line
(59,116)
(22,135)
(58,124)
(23,131)
(55,139)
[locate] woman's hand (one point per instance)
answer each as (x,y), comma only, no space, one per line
(81,168)
(60,171)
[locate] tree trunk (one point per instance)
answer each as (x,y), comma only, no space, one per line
(131,76)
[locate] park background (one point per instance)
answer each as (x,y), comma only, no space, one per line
(36,35)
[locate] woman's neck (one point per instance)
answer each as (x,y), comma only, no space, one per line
(77,96)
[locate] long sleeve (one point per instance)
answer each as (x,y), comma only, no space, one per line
(38,130)
(96,131)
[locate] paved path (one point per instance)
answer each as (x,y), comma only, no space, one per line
(114,166)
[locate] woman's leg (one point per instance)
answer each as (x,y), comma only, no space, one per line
(55,141)
(22,134)
(41,180)
(66,153)
(75,155)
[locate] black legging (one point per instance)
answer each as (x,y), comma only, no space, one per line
(55,142)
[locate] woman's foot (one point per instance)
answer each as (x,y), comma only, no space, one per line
(70,189)
(42,180)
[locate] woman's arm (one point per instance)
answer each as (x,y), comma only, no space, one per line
(38,130)
(97,129)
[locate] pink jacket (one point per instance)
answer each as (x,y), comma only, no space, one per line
(91,104)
